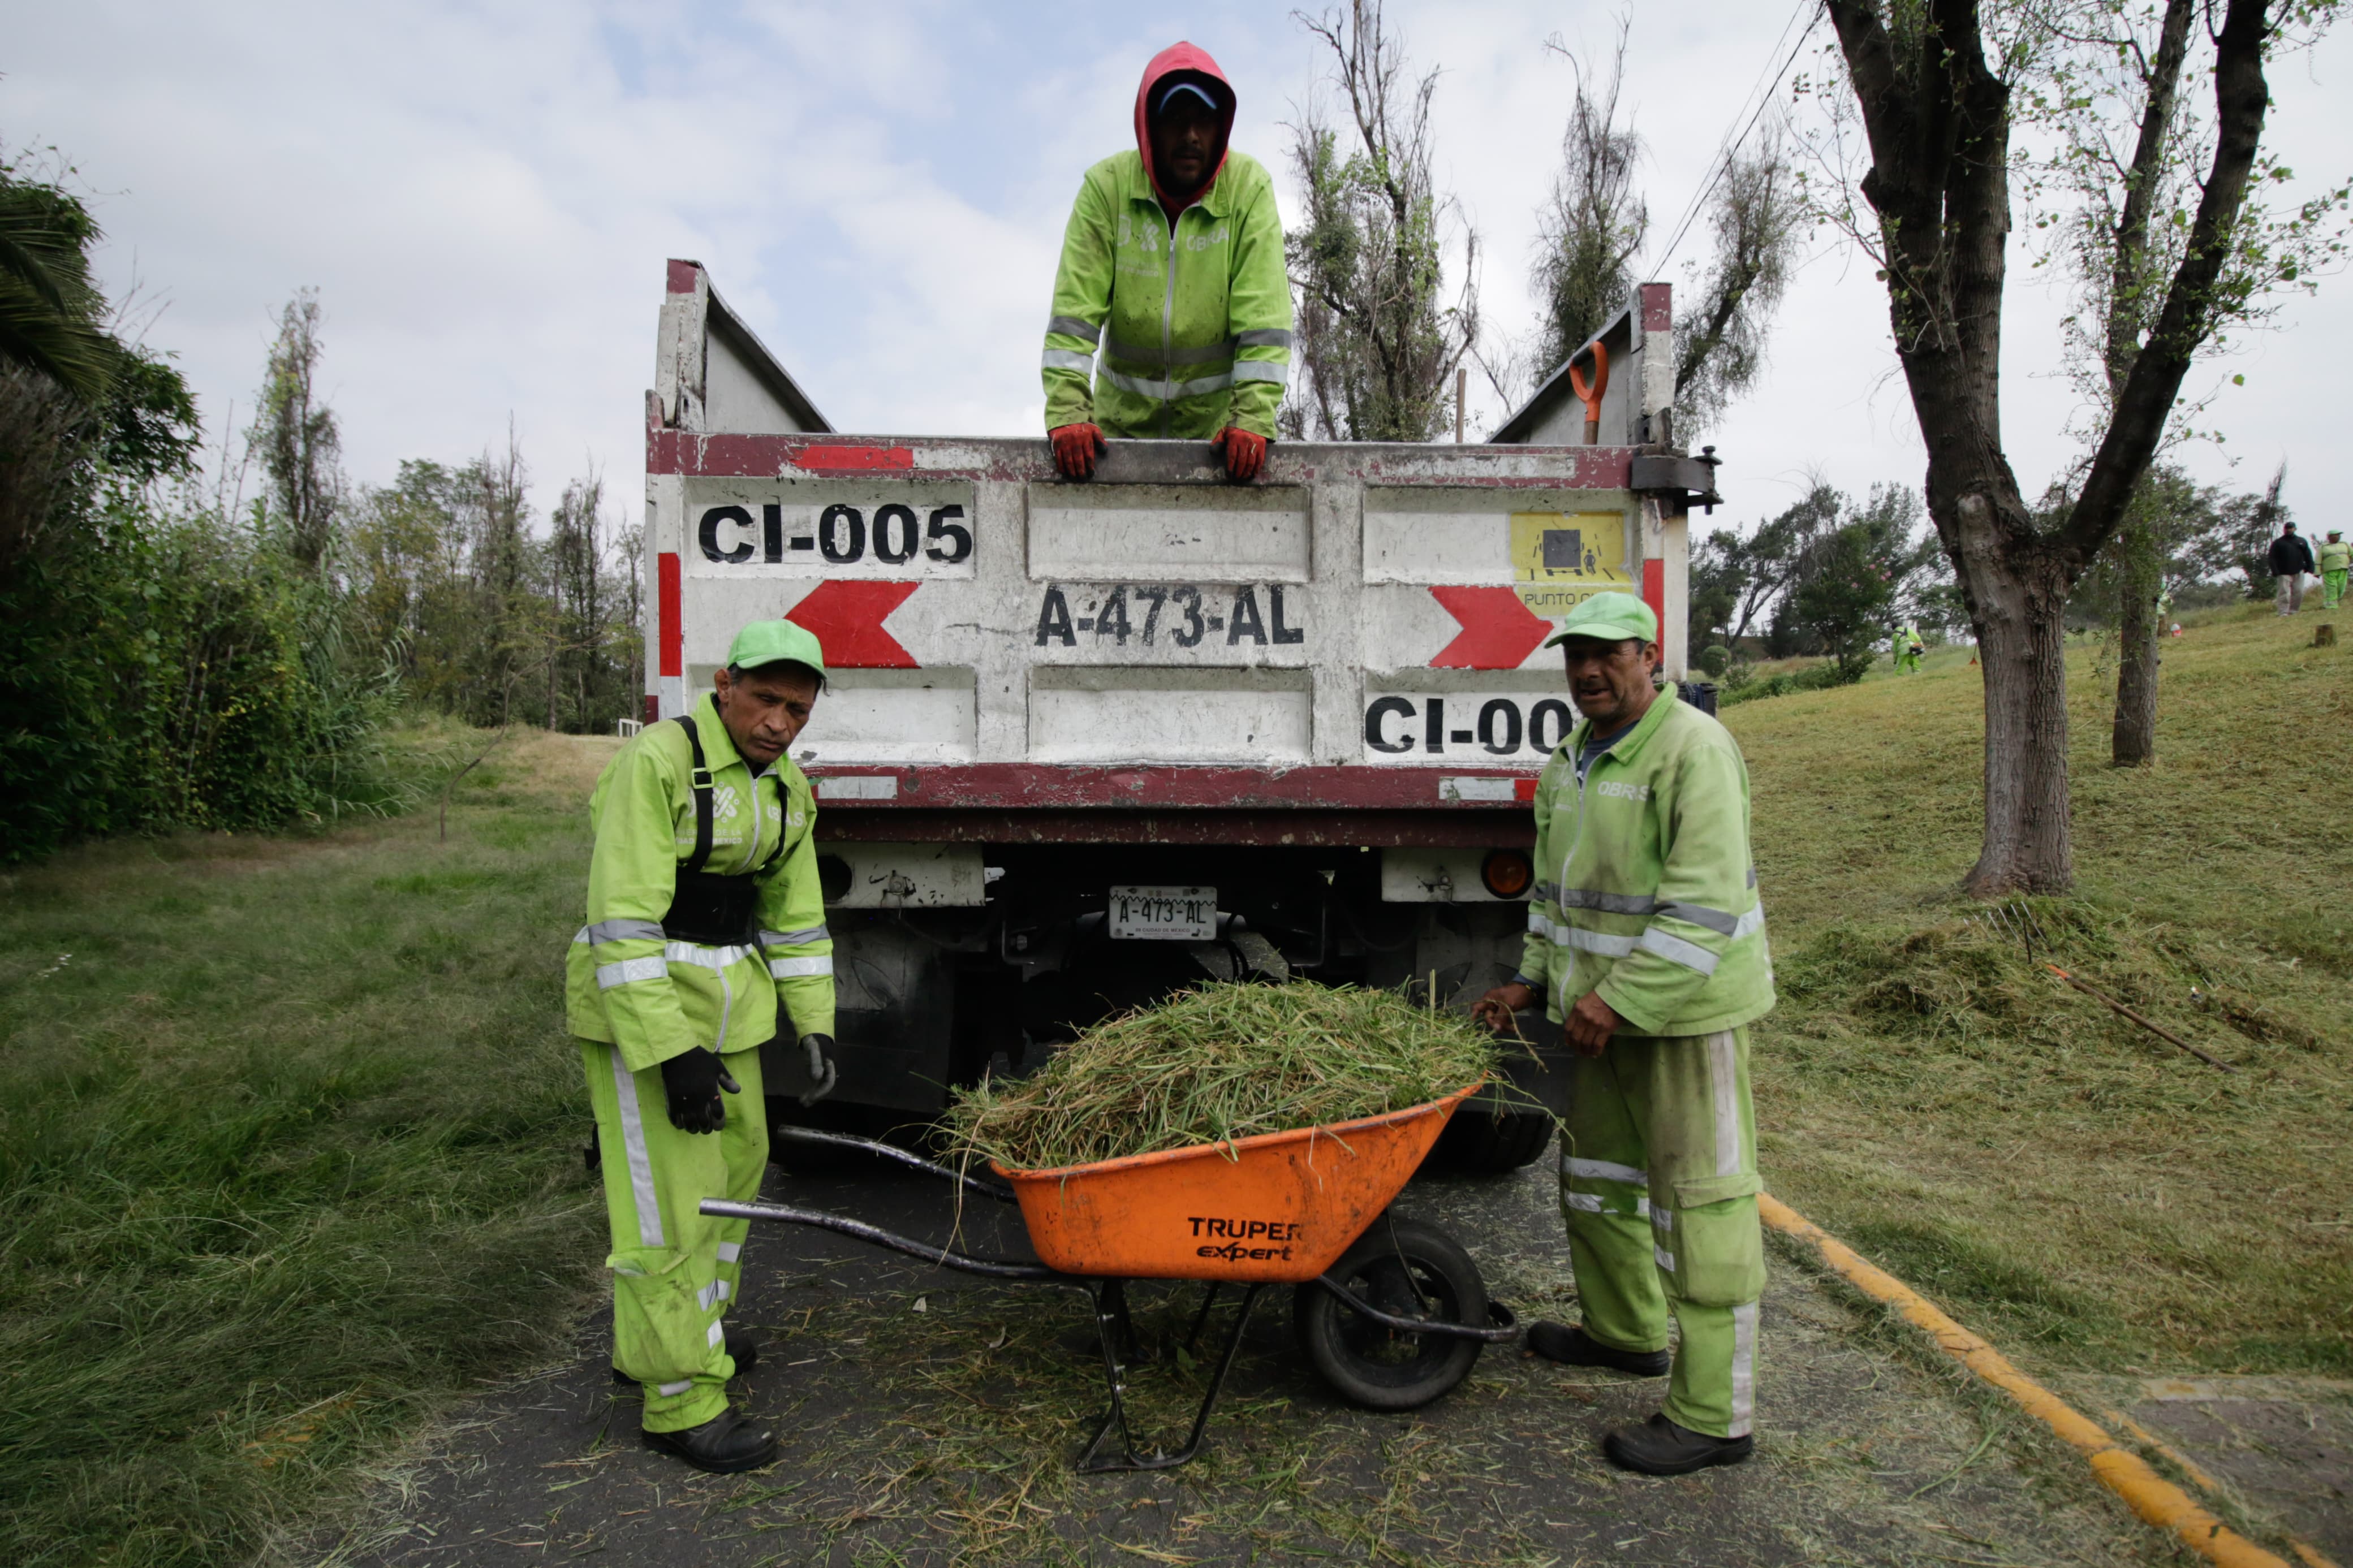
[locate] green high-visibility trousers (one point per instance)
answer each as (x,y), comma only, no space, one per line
(1658,1189)
(2332,588)
(674,1270)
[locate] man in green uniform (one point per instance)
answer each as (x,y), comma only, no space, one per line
(1646,941)
(705,938)
(2336,561)
(1172,265)
(1908,649)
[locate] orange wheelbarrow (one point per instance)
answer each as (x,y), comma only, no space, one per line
(1392,1312)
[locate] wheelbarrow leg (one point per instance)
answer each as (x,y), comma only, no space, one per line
(1110,1303)
(1201,1318)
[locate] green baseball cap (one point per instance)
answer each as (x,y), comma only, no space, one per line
(1610,617)
(776,642)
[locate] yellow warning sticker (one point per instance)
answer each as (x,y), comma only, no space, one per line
(1560,560)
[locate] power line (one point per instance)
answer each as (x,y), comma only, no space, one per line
(1727,151)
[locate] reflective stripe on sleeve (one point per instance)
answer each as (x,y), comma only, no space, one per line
(716,1335)
(1717,920)
(1675,950)
(1264,338)
(1609,1170)
(1071,327)
(710,1294)
(1754,920)
(1663,1258)
(621,930)
(729,1251)
(1664,1219)
(1066,359)
(789,938)
(1260,370)
(672,1390)
(629,971)
(792,968)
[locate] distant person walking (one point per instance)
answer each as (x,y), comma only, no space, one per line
(1908,649)
(2336,561)
(2290,558)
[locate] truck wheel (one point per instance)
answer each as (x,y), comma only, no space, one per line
(1406,1269)
(1493,1143)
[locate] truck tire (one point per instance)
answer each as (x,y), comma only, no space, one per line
(1482,1143)
(1404,1268)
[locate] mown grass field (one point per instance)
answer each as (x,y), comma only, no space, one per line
(2086,1194)
(289,1133)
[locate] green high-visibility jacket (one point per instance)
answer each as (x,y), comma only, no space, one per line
(652,997)
(1195,328)
(2335,556)
(1645,889)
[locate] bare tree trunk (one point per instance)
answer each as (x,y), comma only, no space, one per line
(2017,603)
(2140,571)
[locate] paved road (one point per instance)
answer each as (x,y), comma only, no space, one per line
(929,1418)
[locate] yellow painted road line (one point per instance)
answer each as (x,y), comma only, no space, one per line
(2122,1471)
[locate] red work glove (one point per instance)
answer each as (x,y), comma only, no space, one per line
(1075,447)
(1244,453)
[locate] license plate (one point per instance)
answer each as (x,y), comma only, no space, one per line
(1164,914)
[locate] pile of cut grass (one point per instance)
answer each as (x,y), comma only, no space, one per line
(1226,1061)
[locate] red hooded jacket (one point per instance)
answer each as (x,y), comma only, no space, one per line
(1182,60)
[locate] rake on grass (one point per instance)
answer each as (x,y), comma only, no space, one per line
(2017,918)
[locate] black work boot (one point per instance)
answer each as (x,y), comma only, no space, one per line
(723,1445)
(1660,1447)
(1573,1346)
(740,1344)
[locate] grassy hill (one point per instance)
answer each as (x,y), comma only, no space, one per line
(2084,1192)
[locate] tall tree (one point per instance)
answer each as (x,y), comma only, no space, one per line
(1595,225)
(1594,222)
(296,435)
(1375,341)
(1939,109)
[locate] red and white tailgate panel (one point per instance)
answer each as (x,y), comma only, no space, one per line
(979,615)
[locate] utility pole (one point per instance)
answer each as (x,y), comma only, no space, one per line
(1462,376)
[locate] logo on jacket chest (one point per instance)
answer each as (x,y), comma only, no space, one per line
(1617,789)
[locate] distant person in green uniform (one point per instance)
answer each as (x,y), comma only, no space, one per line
(2336,561)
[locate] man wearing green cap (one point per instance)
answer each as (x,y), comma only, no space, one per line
(705,938)
(1646,942)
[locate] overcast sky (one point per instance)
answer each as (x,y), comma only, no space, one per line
(483,196)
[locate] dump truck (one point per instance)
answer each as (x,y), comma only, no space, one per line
(1085,743)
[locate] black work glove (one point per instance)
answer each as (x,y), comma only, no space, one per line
(822,1075)
(694,1080)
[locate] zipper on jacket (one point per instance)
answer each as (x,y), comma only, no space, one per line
(1167,341)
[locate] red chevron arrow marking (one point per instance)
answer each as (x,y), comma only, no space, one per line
(847,618)
(1498,631)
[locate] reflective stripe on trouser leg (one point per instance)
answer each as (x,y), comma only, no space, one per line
(1700,1133)
(746,1137)
(1605,1205)
(665,1253)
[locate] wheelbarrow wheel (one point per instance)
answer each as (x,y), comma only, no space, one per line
(1405,1268)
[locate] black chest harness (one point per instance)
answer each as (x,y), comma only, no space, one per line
(707,906)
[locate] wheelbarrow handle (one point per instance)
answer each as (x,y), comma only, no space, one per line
(842,1225)
(881,1151)
(1505,1329)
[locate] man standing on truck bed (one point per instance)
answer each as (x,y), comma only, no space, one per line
(1176,251)
(705,937)
(1646,941)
